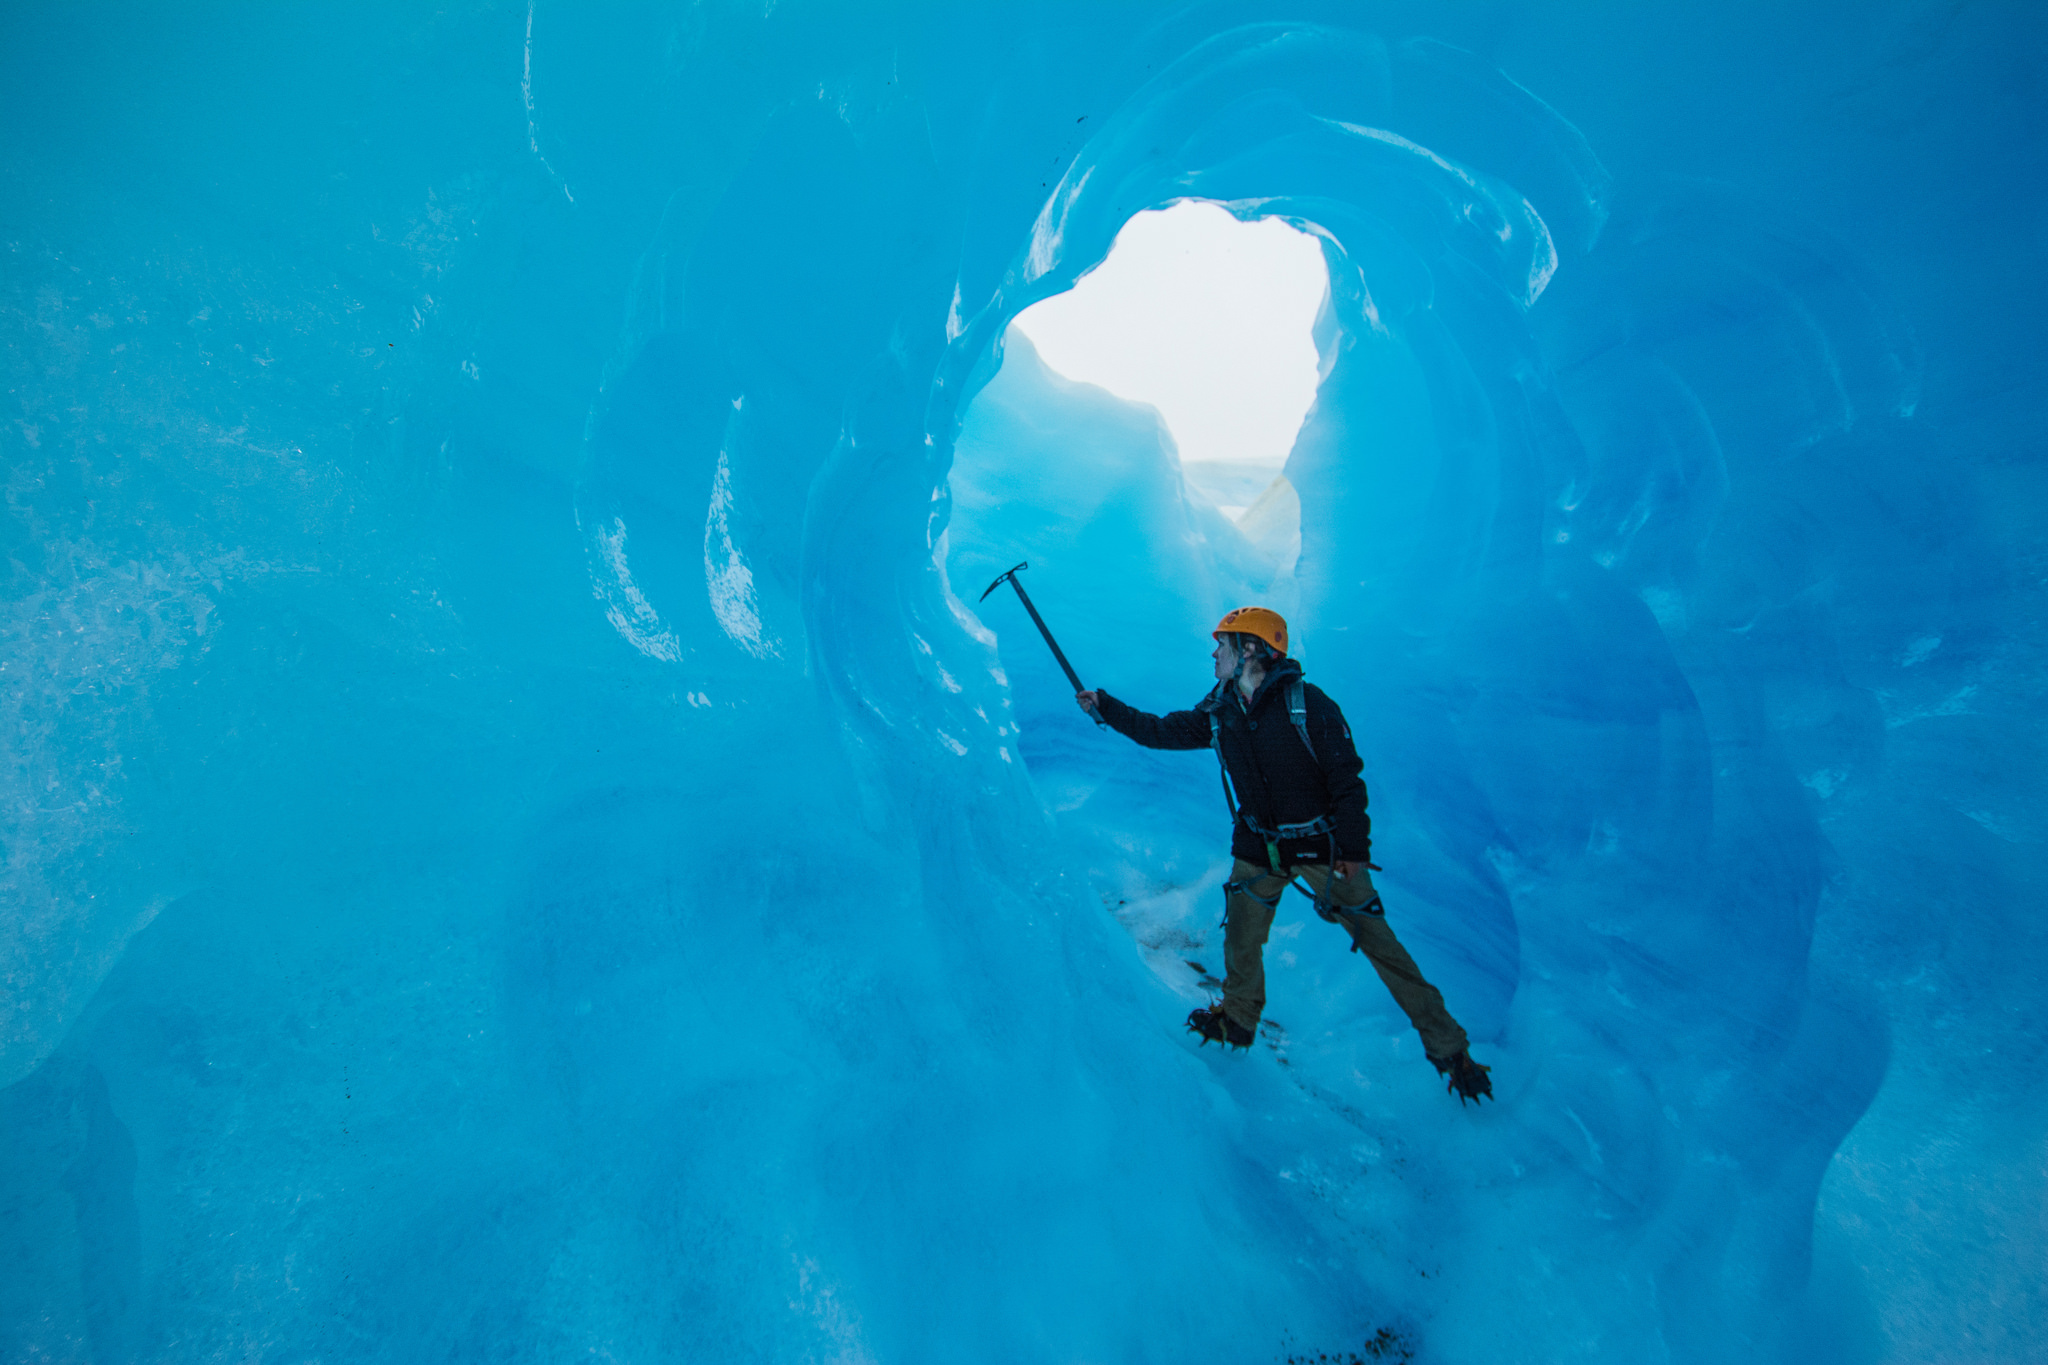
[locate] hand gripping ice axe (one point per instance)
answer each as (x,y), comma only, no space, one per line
(1039,621)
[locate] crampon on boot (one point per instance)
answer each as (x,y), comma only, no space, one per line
(1467,1078)
(1217,1027)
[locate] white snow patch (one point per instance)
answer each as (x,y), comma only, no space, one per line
(728,582)
(626,607)
(533,119)
(954,325)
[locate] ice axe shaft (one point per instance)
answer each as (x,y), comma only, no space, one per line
(1039,621)
(1036,620)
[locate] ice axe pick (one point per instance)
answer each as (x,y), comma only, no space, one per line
(1054,645)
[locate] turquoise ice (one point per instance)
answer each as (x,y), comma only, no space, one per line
(519,842)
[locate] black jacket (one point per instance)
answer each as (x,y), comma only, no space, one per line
(1278,781)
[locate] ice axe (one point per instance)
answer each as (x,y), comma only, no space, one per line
(1039,621)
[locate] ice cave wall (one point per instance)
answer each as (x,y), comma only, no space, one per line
(513,850)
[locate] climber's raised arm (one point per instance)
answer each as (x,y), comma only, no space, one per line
(1174,730)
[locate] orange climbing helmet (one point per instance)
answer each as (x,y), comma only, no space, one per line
(1264,622)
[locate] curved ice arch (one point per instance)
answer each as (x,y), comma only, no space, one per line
(1455,573)
(1437,261)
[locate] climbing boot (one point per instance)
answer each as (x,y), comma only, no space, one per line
(1466,1078)
(1217,1027)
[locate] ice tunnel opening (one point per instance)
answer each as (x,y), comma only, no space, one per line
(1208,318)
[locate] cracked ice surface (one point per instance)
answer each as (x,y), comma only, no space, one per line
(519,843)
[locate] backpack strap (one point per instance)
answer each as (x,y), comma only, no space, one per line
(1297,711)
(1216,746)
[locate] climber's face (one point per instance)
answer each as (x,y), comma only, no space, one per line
(1226,659)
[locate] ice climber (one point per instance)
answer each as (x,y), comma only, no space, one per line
(1291,778)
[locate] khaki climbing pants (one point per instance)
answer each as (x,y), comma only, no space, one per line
(1253,898)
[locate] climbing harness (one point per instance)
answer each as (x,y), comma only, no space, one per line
(1325,902)
(1297,711)
(1232,888)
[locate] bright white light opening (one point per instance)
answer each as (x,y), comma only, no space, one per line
(1209,320)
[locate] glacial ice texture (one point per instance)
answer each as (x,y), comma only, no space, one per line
(520,844)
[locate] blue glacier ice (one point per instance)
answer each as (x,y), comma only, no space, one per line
(520,842)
